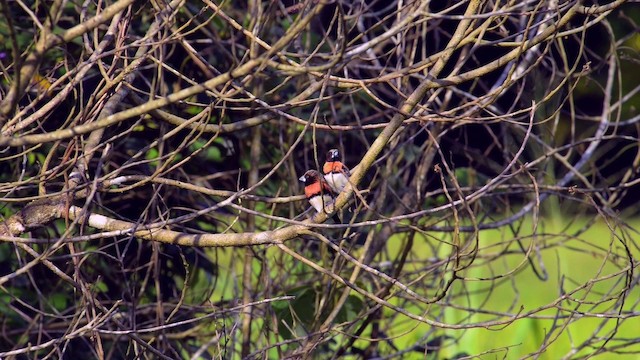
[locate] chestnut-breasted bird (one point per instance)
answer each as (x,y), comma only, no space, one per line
(318,191)
(335,172)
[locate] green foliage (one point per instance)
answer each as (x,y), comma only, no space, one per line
(296,317)
(100,286)
(59,301)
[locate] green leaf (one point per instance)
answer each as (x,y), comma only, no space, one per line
(206,226)
(152,154)
(193,110)
(214,154)
(296,315)
(58,301)
(101,286)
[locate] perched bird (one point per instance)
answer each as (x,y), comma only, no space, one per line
(335,172)
(318,191)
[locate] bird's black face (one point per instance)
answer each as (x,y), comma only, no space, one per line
(333,155)
(308,178)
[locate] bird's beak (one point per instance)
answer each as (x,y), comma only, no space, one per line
(301,178)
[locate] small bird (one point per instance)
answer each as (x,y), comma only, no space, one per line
(318,191)
(335,172)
